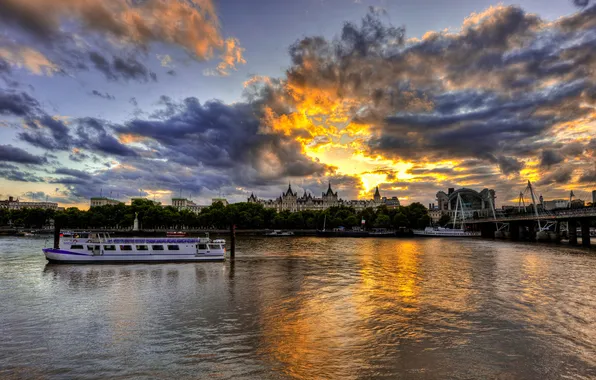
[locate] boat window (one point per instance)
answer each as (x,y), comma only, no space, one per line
(109,247)
(157,247)
(90,247)
(126,247)
(76,246)
(202,246)
(173,248)
(142,248)
(214,246)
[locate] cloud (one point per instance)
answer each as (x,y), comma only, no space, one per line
(550,157)
(103,95)
(19,176)
(121,69)
(29,58)
(222,136)
(561,175)
(17,103)
(14,154)
(69,27)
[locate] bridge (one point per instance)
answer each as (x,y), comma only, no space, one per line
(539,224)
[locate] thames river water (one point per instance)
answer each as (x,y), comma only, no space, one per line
(305,308)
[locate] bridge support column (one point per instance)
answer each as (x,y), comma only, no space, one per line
(585,232)
(487,230)
(532,226)
(514,230)
(572,231)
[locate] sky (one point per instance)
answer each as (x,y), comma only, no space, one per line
(208,98)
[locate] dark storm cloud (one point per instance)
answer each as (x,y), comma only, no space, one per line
(479,93)
(550,157)
(72,172)
(13,154)
(17,103)
(222,136)
(121,69)
(19,176)
(509,165)
(103,95)
(560,175)
(588,177)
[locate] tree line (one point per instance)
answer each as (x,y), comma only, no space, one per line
(217,216)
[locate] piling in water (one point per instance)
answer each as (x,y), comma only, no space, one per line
(56,236)
(232,241)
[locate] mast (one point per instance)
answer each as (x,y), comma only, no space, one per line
(456,207)
(463,216)
(534,204)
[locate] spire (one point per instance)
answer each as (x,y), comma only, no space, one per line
(329,191)
(377,194)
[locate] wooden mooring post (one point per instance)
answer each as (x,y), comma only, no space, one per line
(56,236)
(232,241)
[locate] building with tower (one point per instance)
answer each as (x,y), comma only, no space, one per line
(290,201)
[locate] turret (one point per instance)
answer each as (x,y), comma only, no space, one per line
(377,196)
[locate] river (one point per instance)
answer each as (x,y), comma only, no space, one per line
(305,308)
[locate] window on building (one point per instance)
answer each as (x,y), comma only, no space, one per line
(157,247)
(126,247)
(76,246)
(173,248)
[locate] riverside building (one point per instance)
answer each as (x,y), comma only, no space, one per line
(15,204)
(103,201)
(475,204)
(290,201)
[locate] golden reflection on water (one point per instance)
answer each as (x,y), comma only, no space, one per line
(313,334)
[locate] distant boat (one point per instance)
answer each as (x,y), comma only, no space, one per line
(445,232)
(279,233)
(449,232)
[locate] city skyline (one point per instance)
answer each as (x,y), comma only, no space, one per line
(213,98)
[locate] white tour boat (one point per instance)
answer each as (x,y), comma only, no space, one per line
(445,232)
(450,232)
(95,248)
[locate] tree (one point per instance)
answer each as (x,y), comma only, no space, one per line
(383,221)
(444,220)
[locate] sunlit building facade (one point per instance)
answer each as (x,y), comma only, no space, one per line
(290,201)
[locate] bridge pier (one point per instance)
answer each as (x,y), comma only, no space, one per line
(532,226)
(514,230)
(487,230)
(585,225)
(572,231)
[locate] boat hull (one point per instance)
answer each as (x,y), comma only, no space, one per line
(64,256)
(443,234)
